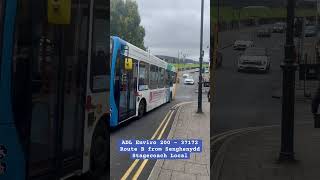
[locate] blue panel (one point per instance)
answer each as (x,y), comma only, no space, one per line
(14,160)
(5,83)
(113,106)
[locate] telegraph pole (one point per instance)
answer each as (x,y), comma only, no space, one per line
(200,59)
(288,90)
(178,60)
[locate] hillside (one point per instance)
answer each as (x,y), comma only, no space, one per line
(175,60)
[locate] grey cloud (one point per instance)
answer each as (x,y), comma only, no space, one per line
(173,25)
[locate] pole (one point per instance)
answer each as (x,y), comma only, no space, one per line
(200,59)
(179,67)
(288,92)
(218,11)
(302,39)
(218,22)
(305,77)
(239,18)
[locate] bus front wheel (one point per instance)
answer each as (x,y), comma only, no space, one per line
(142,108)
(99,151)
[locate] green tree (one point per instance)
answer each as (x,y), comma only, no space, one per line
(125,22)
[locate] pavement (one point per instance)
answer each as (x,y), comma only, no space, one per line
(187,125)
(253,153)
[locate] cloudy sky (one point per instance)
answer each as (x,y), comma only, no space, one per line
(174,25)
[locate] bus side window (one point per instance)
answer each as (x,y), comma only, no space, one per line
(169,78)
(161,78)
(117,77)
(166,79)
(100,70)
(143,76)
(157,76)
(153,77)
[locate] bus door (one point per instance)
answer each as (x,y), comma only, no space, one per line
(48,69)
(128,85)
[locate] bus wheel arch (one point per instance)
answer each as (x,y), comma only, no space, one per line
(99,152)
(142,107)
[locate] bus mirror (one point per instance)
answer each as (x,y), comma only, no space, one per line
(59,11)
(128,64)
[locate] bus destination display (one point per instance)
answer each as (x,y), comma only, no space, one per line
(160,149)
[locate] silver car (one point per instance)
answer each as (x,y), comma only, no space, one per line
(254,59)
(242,44)
(189,81)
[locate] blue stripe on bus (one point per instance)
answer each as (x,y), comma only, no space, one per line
(14,160)
(117,42)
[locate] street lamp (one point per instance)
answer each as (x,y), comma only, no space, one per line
(200,60)
(288,90)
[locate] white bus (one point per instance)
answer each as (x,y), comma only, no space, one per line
(139,81)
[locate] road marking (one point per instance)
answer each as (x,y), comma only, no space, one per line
(165,126)
(127,173)
(165,120)
(135,162)
(137,174)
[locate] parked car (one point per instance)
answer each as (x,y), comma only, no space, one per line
(242,44)
(185,75)
(310,31)
(254,59)
(264,32)
(189,81)
(279,27)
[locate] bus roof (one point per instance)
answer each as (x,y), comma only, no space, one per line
(142,55)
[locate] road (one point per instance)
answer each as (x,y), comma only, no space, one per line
(144,128)
(245,99)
